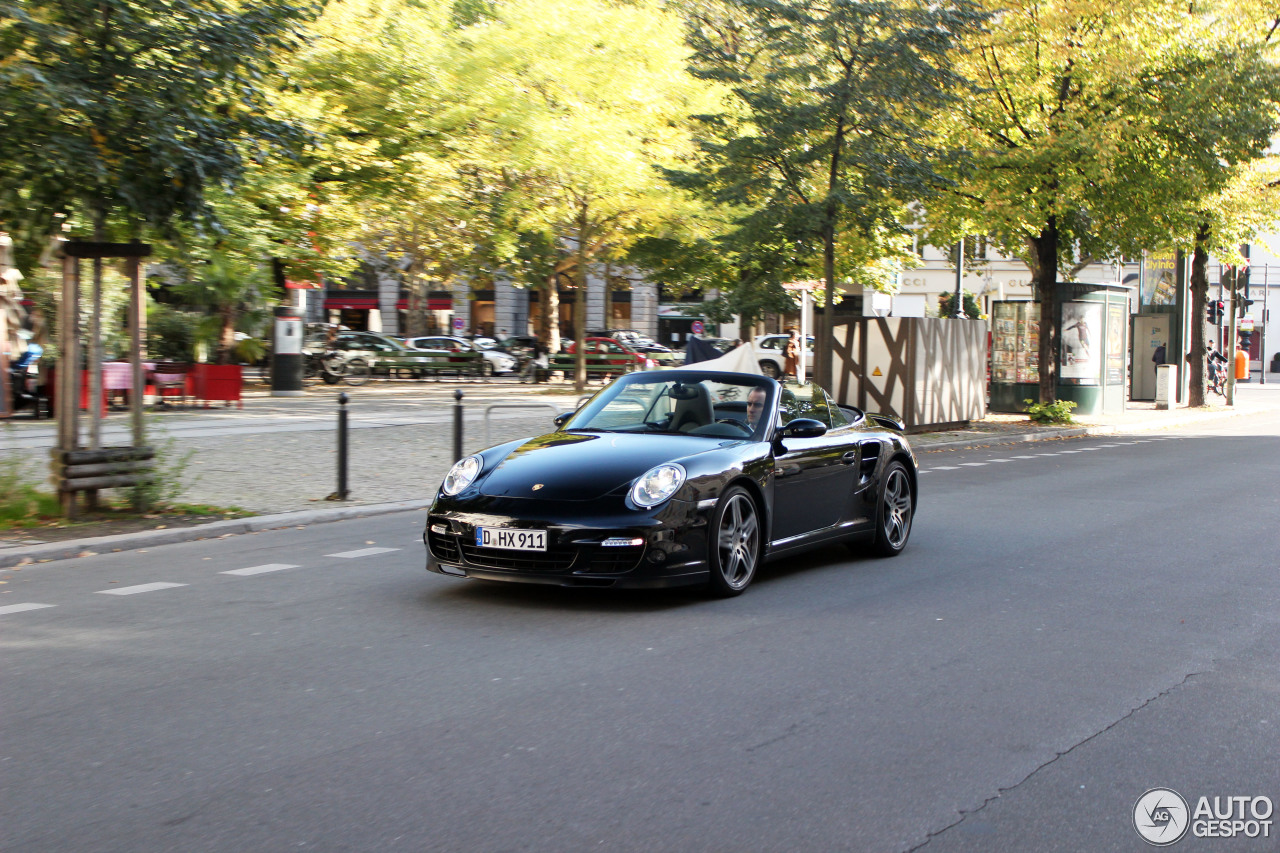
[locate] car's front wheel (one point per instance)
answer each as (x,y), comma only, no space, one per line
(735,546)
(895,513)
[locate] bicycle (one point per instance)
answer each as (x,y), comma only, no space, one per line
(1217,365)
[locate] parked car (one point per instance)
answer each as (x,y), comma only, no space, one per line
(676,477)
(769,351)
(641,343)
(385,354)
(609,351)
(495,360)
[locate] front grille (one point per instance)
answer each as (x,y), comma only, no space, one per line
(612,561)
(554,559)
(444,546)
(460,549)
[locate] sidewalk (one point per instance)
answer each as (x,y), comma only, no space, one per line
(277,457)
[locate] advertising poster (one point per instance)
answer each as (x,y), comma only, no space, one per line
(1158,285)
(1116,323)
(1081,348)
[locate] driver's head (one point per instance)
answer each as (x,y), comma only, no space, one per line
(755,405)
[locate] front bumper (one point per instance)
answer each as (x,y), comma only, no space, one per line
(673,549)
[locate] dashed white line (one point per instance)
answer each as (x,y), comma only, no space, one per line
(19,608)
(259,570)
(999,460)
(363,552)
(1070,451)
(134,590)
(1026,457)
(944,468)
(973,464)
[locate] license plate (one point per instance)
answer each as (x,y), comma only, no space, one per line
(512,540)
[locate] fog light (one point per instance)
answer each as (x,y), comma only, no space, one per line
(440,528)
(622,542)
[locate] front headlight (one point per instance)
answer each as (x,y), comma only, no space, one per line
(462,474)
(657,484)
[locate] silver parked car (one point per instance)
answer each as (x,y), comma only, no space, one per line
(495,360)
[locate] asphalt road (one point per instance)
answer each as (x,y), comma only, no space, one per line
(1074,623)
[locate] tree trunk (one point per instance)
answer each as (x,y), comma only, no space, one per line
(825,318)
(419,304)
(227,337)
(1045,283)
(1199,310)
(580,309)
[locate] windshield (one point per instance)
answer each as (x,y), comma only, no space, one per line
(717,405)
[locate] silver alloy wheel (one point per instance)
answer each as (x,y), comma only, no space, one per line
(738,541)
(896,515)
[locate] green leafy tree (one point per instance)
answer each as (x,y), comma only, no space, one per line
(577,103)
(134,108)
(1095,125)
(830,131)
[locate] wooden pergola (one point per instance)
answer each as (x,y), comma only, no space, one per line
(80,462)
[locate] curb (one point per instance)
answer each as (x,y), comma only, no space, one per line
(1082,432)
(92,546)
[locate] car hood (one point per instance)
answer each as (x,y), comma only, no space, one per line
(577,466)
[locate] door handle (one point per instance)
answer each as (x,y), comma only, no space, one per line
(850,457)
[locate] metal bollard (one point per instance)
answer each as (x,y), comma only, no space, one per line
(342,446)
(457,425)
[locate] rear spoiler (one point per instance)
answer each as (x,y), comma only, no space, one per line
(887,421)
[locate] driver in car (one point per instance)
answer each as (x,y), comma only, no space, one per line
(755,405)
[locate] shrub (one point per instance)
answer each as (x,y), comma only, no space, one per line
(1057,412)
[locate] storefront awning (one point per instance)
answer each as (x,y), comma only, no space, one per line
(338,301)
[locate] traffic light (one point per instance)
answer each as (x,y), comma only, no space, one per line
(1216,309)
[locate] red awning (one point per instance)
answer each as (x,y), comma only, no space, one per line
(338,300)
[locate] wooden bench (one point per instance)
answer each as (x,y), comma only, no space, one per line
(597,366)
(440,362)
(106,468)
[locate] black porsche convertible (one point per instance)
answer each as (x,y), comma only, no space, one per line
(676,477)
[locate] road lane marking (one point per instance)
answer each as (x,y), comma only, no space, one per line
(363,552)
(134,590)
(973,464)
(944,468)
(258,570)
(1070,451)
(1025,457)
(19,608)
(999,460)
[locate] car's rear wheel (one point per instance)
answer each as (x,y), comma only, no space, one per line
(895,512)
(735,545)
(768,368)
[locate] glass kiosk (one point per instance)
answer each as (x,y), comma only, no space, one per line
(1092,350)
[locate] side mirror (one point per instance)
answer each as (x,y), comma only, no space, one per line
(803,428)
(562,418)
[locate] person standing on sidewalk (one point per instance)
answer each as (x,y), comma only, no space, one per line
(791,355)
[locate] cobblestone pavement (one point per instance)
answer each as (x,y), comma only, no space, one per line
(279,454)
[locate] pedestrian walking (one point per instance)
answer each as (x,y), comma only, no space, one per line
(791,355)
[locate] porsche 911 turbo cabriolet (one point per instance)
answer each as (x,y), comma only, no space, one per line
(676,477)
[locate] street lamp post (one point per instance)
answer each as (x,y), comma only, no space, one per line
(957,310)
